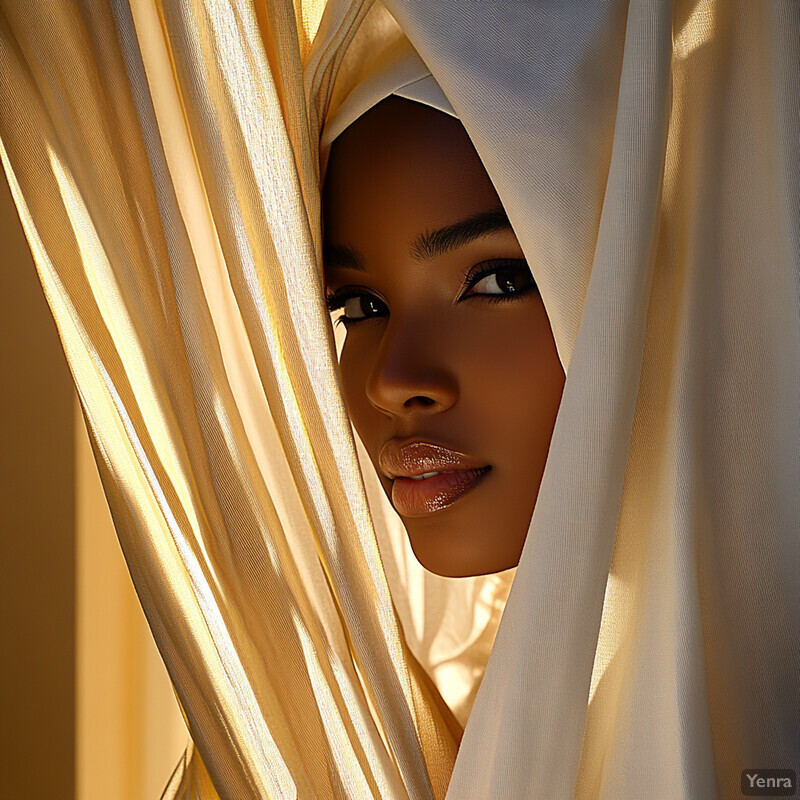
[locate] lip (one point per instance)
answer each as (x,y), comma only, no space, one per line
(401,461)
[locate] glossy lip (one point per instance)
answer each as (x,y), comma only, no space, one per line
(459,474)
(400,458)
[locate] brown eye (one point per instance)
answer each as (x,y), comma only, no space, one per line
(357,305)
(361,306)
(500,280)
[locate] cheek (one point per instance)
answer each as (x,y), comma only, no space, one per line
(515,355)
(516,381)
(354,365)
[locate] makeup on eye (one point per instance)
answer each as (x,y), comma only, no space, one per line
(505,273)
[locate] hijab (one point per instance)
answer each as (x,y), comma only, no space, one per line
(646,154)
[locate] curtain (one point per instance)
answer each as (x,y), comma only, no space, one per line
(164,160)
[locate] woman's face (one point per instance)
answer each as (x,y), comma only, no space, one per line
(449,364)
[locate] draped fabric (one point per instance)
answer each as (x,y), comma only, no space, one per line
(164,158)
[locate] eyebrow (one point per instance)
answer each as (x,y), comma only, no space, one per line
(427,245)
(335,256)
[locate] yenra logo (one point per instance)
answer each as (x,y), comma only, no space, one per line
(769,782)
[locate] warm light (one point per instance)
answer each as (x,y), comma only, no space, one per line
(697,30)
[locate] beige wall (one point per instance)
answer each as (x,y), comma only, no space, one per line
(87,709)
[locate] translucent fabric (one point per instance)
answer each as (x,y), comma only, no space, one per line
(165,161)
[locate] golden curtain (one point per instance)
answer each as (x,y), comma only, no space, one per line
(151,246)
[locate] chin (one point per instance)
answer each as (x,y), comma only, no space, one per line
(469,573)
(464,570)
(449,560)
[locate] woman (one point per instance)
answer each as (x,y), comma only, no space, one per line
(449,369)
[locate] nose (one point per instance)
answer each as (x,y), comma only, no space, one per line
(413,372)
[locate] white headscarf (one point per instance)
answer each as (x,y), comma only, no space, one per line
(402,73)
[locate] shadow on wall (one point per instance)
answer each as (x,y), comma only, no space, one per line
(88,710)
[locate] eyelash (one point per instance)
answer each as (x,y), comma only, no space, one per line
(470,277)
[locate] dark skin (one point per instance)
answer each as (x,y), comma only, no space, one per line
(430,351)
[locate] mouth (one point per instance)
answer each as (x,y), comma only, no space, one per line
(428,477)
(420,495)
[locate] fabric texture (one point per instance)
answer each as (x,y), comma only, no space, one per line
(166,161)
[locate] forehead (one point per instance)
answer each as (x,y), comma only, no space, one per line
(401,168)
